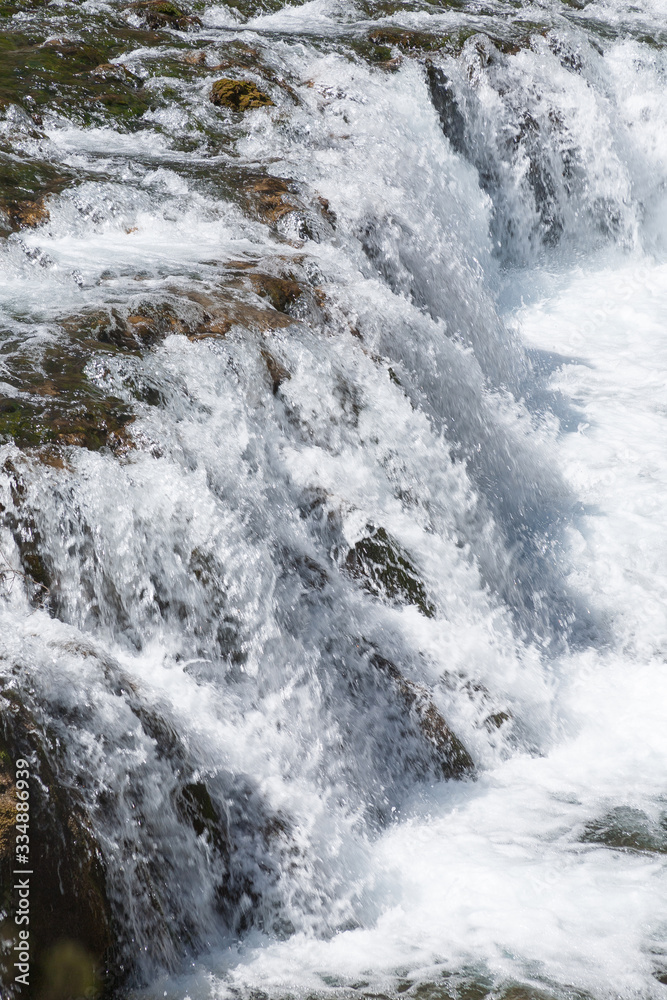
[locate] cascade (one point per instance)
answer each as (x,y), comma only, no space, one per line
(332,466)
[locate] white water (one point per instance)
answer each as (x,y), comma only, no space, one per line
(201,627)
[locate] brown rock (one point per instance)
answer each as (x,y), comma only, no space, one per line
(266,196)
(277,372)
(27,213)
(281,292)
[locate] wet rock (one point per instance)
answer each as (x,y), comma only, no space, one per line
(625,828)
(406,39)
(195,58)
(386,570)
(451,757)
(196,806)
(478,986)
(116,71)
(158,14)
(24,190)
(327,212)
(445,103)
(266,198)
(56,403)
(239,95)
(32,569)
(496,720)
(92,424)
(145,326)
(71,928)
(277,372)
(378,55)
(27,213)
(213,329)
(281,292)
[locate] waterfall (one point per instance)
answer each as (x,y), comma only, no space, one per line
(332,530)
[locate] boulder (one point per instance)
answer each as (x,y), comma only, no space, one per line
(239,95)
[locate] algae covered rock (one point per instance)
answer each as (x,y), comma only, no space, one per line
(50,398)
(239,95)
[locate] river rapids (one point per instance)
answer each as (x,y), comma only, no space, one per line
(333,529)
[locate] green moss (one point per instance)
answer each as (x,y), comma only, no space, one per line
(69,970)
(386,570)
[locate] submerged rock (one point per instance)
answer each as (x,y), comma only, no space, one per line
(116,71)
(239,95)
(625,828)
(277,372)
(266,198)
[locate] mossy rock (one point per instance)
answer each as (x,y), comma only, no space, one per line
(386,570)
(92,423)
(381,44)
(409,40)
(239,95)
(56,403)
(163,14)
(71,928)
(60,74)
(24,190)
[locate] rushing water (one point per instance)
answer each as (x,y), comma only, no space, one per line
(428,485)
